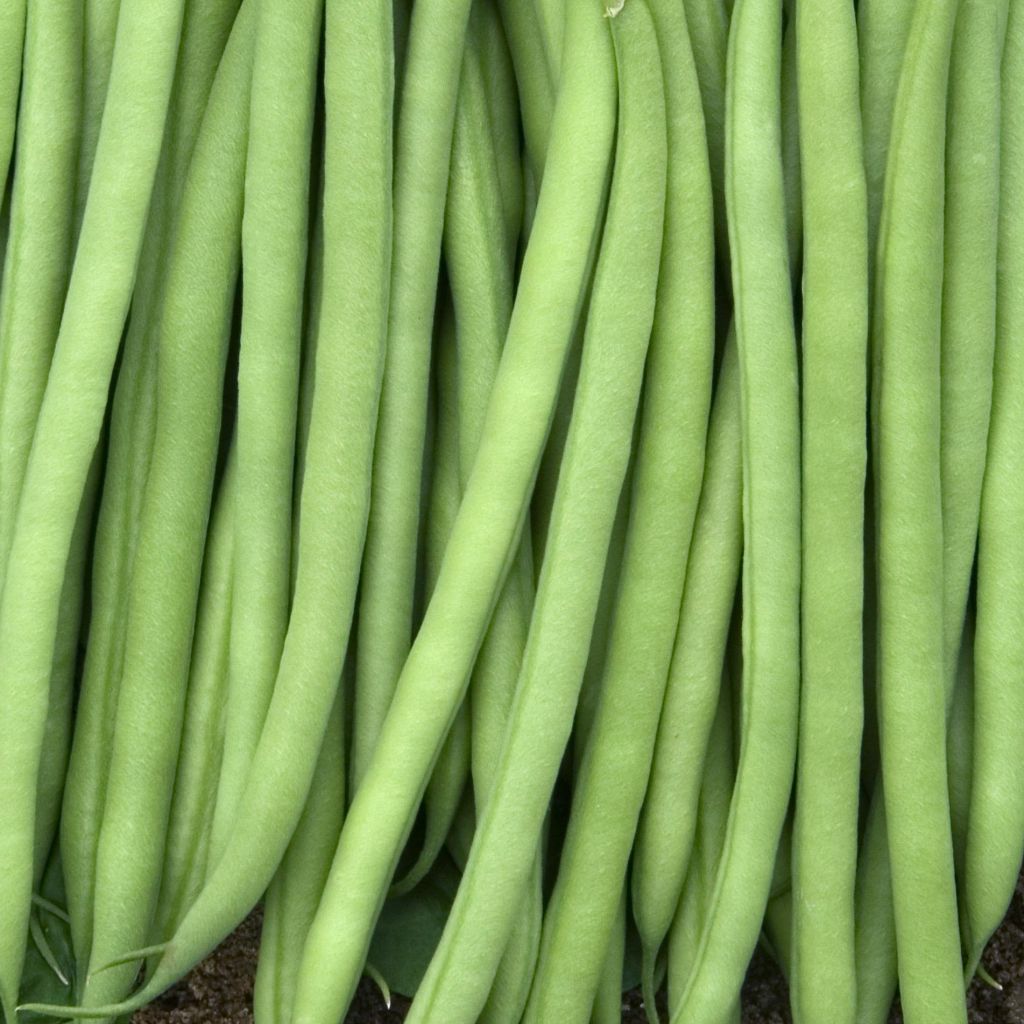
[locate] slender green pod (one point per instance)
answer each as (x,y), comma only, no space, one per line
(769,406)
(100,30)
(195,328)
(481,235)
(37,262)
(875,938)
(293,895)
(422,156)
(594,467)
(274,247)
(607,1007)
(883,28)
(669,819)
(996,823)
(359,92)
(709,36)
(130,438)
(12,41)
(717,780)
(186,856)
(39,245)
(791,161)
(550,15)
(769,409)
(448,780)
(910,539)
(552,283)
(834,426)
(67,431)
(968,295)
(534,79)
(612,781)
(968,346)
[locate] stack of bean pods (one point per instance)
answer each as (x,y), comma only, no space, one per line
(531,491)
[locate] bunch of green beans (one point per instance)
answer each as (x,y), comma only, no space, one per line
(528,492)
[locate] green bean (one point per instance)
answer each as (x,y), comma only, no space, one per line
(39,248)
(771,510)
(607,1007)
(133,420)
(274,247)
(959,755)
(719,773)
(481,235)
(910,601)
(448,779)
(37,262)
(968,344)
(709,31)
(668,821)
(186,857)
(995,842)
(595,462)
(555,269)
(791,164)
(499,84)
(195,327)
(68,428)
(534,79)
(834,379)
(550,16)
(883,26)
(100,31)
(422,155)
(609,791)
(359,78)
(12,40)
(293,895)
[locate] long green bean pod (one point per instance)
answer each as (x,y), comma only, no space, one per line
(186,857)
(39,246)
(37,262)
(595,462)
(610,788)
(910,555)
(717,780)
(834,385)
(100,30)
(130,437)
(968,345)
(67,431)
(422,156)
(195,328)
(995,834)
(12,41)
(668,821)
(359,91)
(551,287)
(292,898)
(274,247)
(766,346)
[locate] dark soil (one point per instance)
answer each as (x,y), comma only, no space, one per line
(219,991)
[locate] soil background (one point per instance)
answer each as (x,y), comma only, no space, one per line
(219,991)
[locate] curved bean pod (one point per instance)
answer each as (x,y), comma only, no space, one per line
(995,834)
(422,155)
(771,510)
(195,328)
(834,388)
(611,784)
(668,821)
(67,431)
(274,246)
(555,270)
(910,556)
